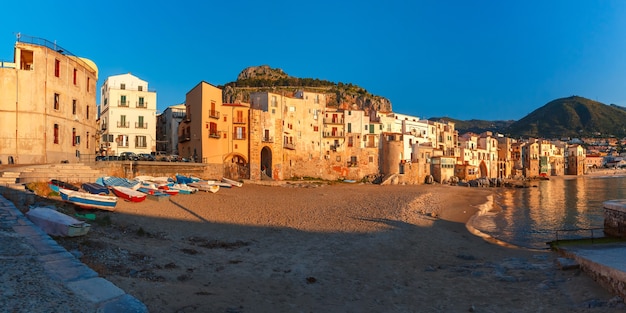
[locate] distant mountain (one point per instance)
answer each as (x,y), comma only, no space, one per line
(338,95)
(571,117)
(476,126)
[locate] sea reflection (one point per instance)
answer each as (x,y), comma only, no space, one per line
(529,217)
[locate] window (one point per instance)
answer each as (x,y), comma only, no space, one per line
(77,140)
(74,106)
(56,133)
(56,101)
(141,103)
(105,101)
(87,140)
(122,123)
(349,127)
(73,136)
(140,123)
(122,141)
(240,133)
(87,112)
(75,72)
(274,101)
(213,133)
(140,142)
(122,86)
(123,101)
(57,68)
(88,82)
(140,88)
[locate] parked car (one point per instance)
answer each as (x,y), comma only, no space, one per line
(145,157)
(128,156)
(161,156)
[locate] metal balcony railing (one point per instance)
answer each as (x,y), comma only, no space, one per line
(122,103)
(267,139)
(289,146)
(337,134)
(142,125)
(123,124)
(214,114)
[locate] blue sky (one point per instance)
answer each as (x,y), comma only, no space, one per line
(492,60)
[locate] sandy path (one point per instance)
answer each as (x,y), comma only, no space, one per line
(340,248)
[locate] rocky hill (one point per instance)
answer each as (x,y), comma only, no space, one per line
(338,95)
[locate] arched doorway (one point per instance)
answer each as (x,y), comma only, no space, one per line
(266,162)
(483,169)
(236,167)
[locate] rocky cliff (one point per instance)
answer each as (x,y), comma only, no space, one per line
(338,95)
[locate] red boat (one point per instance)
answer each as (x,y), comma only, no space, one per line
(128,194)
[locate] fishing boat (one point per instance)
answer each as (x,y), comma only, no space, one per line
(56,185)
(95,188)
(55,223)
(111,181)
(89,201)
(183,189)
(182,179)
(128,194)
(232,182)
(203,186)
(216,182)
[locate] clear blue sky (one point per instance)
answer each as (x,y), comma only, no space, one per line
(489,60)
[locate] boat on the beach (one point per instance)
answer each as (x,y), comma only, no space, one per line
(111,181)
(56,185)
(183,189)
(232,182)
(128,194)
(55,223)
(95,188)
(182,179)
(203,186)
(89,201)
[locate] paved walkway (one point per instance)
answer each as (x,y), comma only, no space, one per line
(38,275)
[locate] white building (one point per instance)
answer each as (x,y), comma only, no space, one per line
(127,115)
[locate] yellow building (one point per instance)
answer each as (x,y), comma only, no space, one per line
(215,133)
(47,104)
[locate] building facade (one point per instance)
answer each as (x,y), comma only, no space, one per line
(127,116)
(167,129)
(47,104)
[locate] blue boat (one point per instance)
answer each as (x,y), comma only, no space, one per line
(88,200)
(95,188)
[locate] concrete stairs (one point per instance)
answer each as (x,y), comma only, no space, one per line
(69,172)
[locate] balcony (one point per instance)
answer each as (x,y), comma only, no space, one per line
(122,104)
(267,139)
(141,105)
(123,124)
(335,134)
(290,146)
(214,135)
(214,114)
(336,120)
(240,121)
(141,125)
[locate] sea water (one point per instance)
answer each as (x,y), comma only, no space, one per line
(567,207)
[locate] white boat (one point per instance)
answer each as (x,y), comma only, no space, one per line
(55,223)
(203,186)
(88,200)
(183,188)
(232,182)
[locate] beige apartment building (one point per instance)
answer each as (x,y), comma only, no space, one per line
(127,116)
(47,104)
(215,133)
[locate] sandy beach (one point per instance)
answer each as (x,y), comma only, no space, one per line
(326,248)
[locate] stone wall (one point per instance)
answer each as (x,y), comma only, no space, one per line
(615,217)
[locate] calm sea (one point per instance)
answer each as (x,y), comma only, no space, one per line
(529,217)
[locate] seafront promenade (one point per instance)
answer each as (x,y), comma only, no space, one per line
(38,275)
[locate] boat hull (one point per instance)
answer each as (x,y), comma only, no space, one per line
(128,194)
(89,201)
(95,188)
(56,223)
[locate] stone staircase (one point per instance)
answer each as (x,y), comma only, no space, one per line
(70,172)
